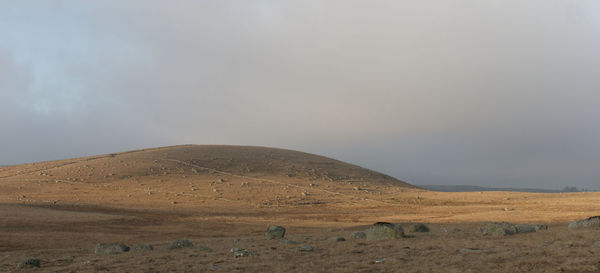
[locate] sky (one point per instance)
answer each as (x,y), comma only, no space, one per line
(501,93)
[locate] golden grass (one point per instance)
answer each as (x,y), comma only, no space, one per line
(214,194)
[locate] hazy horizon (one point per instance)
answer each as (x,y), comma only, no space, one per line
(485,93)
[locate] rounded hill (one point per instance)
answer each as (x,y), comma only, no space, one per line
(196,175)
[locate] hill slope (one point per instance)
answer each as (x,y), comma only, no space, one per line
(196,175)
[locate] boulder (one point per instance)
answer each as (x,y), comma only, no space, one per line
(240,252)
(289,242)
(306,248)
(182,243)
(384,231)
(451,230)
(418,227)
(30,263)
(540,226)
(142,247)
(358,235)
(470,250)
(592,222)
(101,249)
(526,228)
(337,239)
(275,232)
(498,229)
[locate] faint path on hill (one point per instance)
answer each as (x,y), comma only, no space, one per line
(269,180)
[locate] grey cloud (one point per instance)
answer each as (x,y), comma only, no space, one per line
(434,92)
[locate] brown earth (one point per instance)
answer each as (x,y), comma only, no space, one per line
(59,210)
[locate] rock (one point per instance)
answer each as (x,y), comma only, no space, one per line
(597,243)
(384,231)
(204,248)
(110,249)
(30,263)
(378,261)
(418,227)
(592,222)
(526,228)
(470,250)
(289,242)
(240,252)
(182,243)
(306,248)
(540,226)
(358,235)
(142,247)
(275,232)
(451,230)
(498,229)
(337,239)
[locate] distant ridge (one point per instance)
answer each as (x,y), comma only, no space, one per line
(468,188)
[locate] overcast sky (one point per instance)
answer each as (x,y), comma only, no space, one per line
(483,92)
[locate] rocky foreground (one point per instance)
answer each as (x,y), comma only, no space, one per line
(382,247)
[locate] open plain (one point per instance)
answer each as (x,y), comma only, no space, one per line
(224,197)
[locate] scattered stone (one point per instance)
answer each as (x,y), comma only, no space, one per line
(306,248)
(540,226)
(30,263)
(204,248)
(452,230)
(182,243)
(110,249)
(384,231)
(275,232)
(597,243)
(143,247)
(470,250)
(378,261)
(289,242)
(526,228)
(358,235)
(337,239)
(592,222)
(240,252)
(418,227)
(498,229)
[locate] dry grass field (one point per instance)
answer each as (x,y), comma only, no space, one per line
(224,197)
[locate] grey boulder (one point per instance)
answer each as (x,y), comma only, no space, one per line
(526,228)
(384,231)
(142,247)
(592,222)
(358,235)
(306,248)
(101,249)
(182,243)
(498,229)
(30,263)
(275,232)
(418,227)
